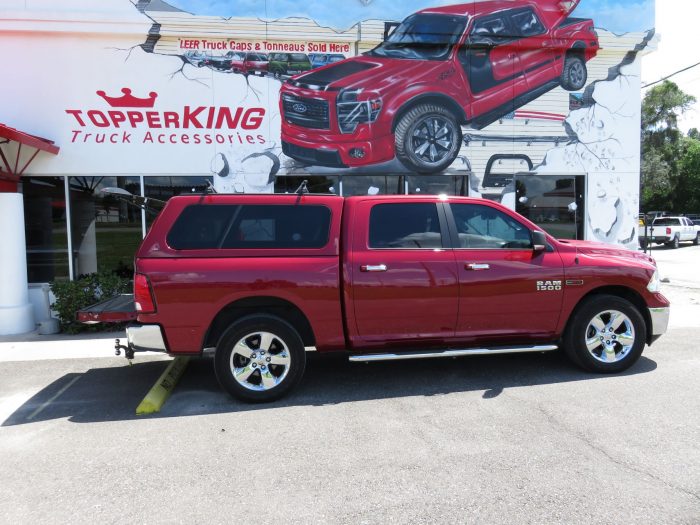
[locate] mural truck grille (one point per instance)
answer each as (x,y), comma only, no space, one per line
(306,112)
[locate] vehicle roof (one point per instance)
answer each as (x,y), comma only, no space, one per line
(478,8)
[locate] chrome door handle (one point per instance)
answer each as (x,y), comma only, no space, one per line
(476,266)
(373,268)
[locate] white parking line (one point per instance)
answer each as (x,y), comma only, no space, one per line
(47,403)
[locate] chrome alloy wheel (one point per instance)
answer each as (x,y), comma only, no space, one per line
(577,74)
(260,361)
(433,139)
(610,336)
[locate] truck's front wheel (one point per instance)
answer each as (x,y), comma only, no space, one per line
(427,138)
(605,334)
(259,358)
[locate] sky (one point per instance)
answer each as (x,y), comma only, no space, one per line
(618,16)
(676,20)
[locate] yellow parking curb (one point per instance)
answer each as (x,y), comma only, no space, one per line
(155,399)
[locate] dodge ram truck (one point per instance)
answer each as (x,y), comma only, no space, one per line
(264,279)
(440,69)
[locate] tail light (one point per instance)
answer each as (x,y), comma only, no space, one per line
(668,231)
(143,295)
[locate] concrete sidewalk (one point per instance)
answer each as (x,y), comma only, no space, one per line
(32,346)
(679,268)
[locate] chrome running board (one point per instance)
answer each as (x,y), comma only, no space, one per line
(366,358)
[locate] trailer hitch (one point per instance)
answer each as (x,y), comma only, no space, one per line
(128,352)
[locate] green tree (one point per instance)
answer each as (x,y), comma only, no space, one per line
(687,189)
(663,144)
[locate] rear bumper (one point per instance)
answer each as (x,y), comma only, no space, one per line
(659,322)
(146,338)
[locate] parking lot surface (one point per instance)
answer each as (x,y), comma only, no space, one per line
(502,439)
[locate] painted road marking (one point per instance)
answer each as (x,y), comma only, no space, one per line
(52,399)
(155,399)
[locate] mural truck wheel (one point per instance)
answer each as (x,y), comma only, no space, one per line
(575,74)
(427,139)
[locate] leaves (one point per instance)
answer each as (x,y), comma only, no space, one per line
(87,290)
(666,176)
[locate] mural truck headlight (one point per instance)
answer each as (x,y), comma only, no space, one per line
(352,112)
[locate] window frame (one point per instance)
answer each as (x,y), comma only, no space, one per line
(521,11)
(454,233)
(445,238)
(221,249)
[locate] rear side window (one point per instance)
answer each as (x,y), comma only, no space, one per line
(410,225)
(201,227)
(667,222)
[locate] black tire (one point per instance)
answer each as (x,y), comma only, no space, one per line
(696,241)
(408,145)
(248,329)
(581,329)
(674,244)
(277,74)
(574,74)
(643,244)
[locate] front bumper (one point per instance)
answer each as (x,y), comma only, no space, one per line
(305,149)
(146,338)
(659,321)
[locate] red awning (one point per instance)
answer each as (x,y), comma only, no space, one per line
(12,171)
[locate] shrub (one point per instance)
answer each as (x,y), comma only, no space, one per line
(72,296)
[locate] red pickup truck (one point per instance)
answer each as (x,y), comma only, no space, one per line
(443,67)
(262,279)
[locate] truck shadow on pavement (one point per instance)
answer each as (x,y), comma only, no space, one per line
(113,392)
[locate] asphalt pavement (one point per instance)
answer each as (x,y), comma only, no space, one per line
(496,439)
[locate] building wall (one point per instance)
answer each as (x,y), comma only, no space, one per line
(70,62)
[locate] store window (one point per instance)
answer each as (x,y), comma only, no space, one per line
(314,183)
(438,184)
(555,203)
(45,228)
(162,188)
(373,185)
(106,231)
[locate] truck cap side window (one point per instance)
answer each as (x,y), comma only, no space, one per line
(405,226)
(484,227)
(202,227)
(527,24)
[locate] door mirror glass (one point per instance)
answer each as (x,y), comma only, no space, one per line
(539,241)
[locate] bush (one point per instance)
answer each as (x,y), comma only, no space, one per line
(72,296)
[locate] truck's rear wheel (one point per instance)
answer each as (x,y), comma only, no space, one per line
(696,241)
(259,358)
(606,334)
(427,138)
(674,243)
(575,74)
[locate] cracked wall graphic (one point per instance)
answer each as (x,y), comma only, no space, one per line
(257,95)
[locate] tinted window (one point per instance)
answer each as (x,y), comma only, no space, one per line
(423,36)
(199,227)
(298,57)
(413,225)
(666,222)
(526,23)
(493,30)
(250,226)
(485,227)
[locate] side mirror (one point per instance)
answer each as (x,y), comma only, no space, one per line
(539,241)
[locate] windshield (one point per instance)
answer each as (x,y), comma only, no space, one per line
(423,37)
